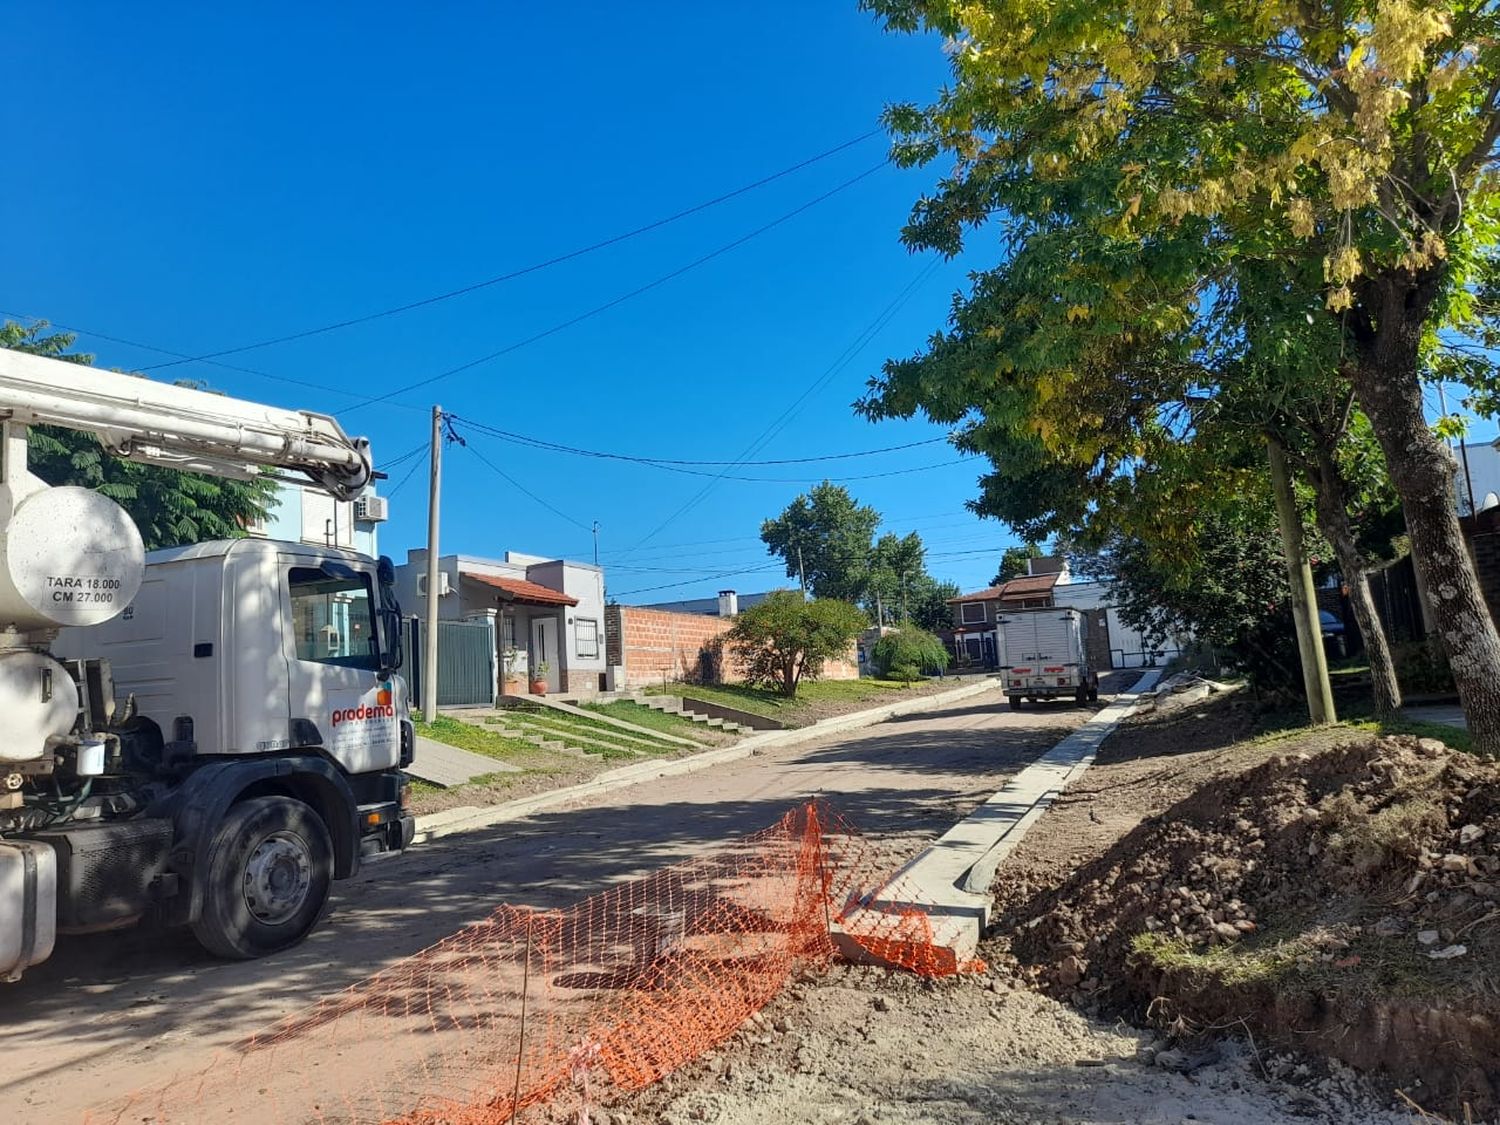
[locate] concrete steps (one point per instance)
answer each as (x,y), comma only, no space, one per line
(673,705)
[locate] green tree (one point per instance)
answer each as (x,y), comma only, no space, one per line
(897,562)
(784,640)
(1346,149)
(169,507)
(825,534)
(1015,562)
(909,653)
(927,602)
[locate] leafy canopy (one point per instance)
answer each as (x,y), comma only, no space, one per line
(169,507)
(909,653)
(783,640)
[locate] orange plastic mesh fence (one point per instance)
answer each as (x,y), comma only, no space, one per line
(606,996)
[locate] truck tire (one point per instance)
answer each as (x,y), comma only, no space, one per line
(1015,702)
(269,870)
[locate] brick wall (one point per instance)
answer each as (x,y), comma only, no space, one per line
(655,646)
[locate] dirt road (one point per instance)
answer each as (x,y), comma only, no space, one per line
(112,1013)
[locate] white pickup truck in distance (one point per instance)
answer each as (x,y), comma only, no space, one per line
(1044,654)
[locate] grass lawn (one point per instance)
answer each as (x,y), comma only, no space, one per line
(629,712)
(466,736)
(813,700)
(557,725)
(562,722)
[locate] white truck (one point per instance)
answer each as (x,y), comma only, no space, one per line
(208,735)
(1044,654)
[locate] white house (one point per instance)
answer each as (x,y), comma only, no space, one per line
(303,514)
(545,611)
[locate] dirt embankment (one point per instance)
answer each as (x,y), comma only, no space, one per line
(1341,899)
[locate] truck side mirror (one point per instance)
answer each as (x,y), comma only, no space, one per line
(390,640)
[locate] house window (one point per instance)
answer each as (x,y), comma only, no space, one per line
(331,619)
(972,649)
(973,613)
(586,636)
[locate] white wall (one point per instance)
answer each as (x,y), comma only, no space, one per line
(1126,644)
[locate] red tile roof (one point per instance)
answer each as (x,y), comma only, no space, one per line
(523,591)
(1027,587)
(983,596)
(1032,585)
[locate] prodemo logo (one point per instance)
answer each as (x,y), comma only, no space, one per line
(383,708)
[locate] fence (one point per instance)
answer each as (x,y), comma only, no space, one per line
(466,662)
(582,1005)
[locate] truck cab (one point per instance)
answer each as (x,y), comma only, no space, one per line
(260,741)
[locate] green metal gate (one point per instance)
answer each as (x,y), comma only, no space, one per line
(466,662)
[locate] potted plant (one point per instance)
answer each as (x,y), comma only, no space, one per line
(511,685)
(539,678)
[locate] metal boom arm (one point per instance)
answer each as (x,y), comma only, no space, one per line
(182,428)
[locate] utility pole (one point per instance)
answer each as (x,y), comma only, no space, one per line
(1463,452)
(430,627)
(905,617)
(596,543)
(1304,595)
(801,572)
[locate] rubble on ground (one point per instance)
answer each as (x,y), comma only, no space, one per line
(1348,900)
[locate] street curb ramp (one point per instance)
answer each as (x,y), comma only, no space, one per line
(941,898)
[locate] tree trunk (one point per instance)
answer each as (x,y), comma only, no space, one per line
(1304,597)
(1332,494)
(1387,380)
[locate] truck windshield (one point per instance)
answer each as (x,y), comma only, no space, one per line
(332,619)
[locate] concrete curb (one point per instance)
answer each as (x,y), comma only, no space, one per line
(435,826)
(949,880)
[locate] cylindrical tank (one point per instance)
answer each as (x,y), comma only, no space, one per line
(38,701)
(69,556)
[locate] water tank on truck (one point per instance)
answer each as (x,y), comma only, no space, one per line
(68,556)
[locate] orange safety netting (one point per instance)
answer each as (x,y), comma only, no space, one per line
(598,999)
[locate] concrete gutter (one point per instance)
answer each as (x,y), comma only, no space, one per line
(949,880)
(437,825)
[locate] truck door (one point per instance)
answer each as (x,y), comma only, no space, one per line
(338,699)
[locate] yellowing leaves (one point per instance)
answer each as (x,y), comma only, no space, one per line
(1342,266)
(1401,34)
(1078,312)
(1299,213)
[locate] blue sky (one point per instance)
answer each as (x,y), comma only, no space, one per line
(200,177)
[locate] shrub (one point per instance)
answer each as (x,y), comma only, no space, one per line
(784,640)
(909,654)
(1421,667)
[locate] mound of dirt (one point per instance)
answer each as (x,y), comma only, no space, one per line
(1346,902)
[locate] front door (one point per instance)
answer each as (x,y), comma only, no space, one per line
(544,650)
(333,658)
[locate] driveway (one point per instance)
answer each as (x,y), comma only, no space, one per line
(113,1013)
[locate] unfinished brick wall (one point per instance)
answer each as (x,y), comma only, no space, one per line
(656,647)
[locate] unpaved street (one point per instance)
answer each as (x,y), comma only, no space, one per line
(112,1013)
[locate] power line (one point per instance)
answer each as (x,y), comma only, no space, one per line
(415,465)
(620,300)
(523,489)
(257,372)
(780,422)
(557,447)
(722,475)
(614,240)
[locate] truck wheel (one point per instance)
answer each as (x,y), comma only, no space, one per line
(270,867)
(1094,694)
(1081,696)
(1015,702)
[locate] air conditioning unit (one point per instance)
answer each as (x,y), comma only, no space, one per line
(444,589)
(372,508)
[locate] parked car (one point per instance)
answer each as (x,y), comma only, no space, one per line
(1330,624)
